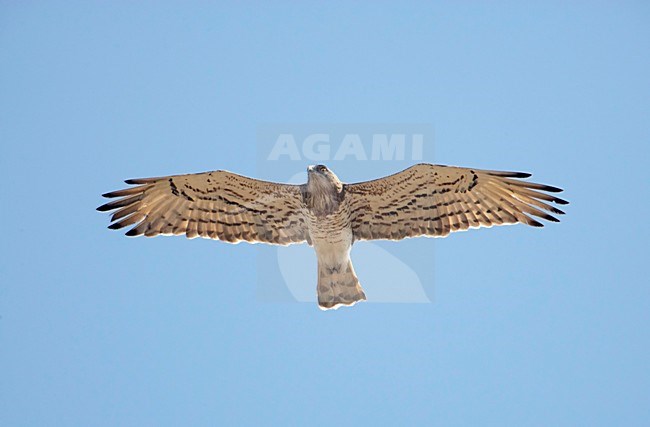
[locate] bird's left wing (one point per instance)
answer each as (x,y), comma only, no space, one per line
(434,200)
(217,205)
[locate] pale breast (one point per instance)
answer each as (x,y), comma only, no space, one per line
(331,235)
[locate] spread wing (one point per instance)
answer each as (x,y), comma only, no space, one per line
(217,205)
(434,200)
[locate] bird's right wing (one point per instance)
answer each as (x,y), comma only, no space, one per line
(218,205)
(434,200)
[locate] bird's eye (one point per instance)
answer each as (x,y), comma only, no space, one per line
(321,168)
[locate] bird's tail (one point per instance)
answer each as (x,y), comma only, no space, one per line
(338,286)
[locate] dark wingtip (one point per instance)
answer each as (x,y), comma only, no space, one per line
(116,193)
(520,175)
(141,180)
(115,226)
(560,201)
(132,232)
(104,208)
(510,174)
(551,189)
(535,223)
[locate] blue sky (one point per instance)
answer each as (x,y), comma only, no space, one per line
(526,327)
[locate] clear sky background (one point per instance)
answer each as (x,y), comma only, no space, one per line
(527,326)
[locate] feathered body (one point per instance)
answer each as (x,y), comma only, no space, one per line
(328,219)
(423,200)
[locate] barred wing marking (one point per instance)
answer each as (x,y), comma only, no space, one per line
(217,205)
(435,200)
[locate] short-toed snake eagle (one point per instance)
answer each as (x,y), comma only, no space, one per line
(423,200)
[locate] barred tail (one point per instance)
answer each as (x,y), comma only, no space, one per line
(338,286)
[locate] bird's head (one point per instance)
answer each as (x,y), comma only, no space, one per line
(319,176)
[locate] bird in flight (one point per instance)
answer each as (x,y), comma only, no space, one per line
(423,200)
